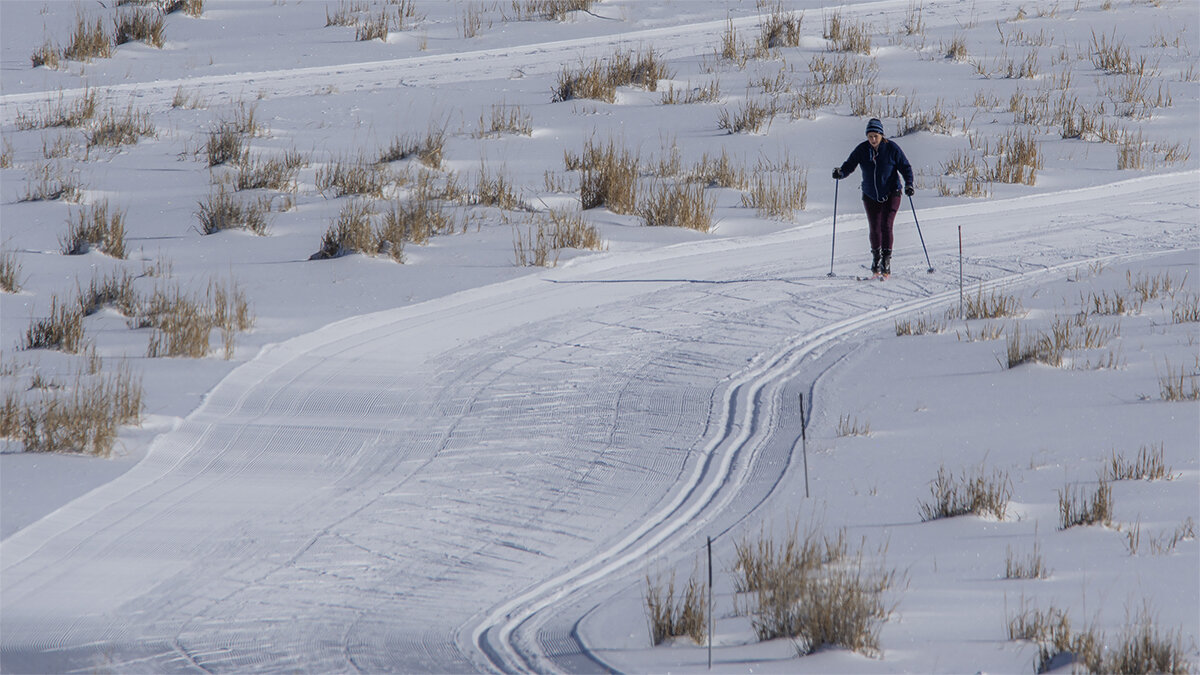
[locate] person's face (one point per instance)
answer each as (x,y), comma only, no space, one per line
(874,138)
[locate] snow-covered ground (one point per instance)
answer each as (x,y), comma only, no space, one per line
(462,464)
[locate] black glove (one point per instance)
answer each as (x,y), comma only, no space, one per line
(837,173)
(908,190)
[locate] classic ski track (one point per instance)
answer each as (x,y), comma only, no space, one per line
(714,482)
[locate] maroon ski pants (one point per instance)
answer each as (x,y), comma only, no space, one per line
(880,217)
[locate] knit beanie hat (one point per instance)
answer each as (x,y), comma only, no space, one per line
(875,125)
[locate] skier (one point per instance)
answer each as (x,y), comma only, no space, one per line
(883,164)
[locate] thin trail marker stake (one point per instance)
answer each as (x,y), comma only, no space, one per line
(710,603)
(833,239)
(914,212)
(961,314)
(804,443)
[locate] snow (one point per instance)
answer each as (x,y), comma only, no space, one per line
(460,464)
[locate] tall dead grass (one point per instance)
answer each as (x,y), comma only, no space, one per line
(82,418)
(976,493)
(813,590)
(95,227)
(600,78)
(671,615)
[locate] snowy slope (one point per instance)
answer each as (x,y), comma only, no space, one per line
(459,465)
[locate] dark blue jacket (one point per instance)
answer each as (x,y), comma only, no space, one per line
(881,168)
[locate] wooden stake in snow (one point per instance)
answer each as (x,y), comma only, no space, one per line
(710,603)
(960,275)
(804,443)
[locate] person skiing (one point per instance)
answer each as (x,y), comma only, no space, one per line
(883,165)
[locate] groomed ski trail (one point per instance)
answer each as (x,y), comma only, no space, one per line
(420,489)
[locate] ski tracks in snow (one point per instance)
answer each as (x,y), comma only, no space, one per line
(435,488)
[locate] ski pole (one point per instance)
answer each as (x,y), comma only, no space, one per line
(914,212)
(833,242)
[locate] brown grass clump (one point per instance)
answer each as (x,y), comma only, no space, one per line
(80,419)
(89,41)
(10,272)
(777,196)
(1148,465)
(780,29)
(183,323)
(1179,386)
(114,290)
(46,55)
(48,182)
(61,114)
(1033,566)
(813,591)
(599,79)
(608,176)
(678,204)
(977,494)
(352,232)
(95,227)
(847,36)
(549,10)
(994,306)
(140,24)
(1076,508)
(505,119)
(61,330)
(708,93)
(671,616)
(427,149)
(550,233)
(750,116)
(113,130)
(225,211)
(276,173)
(355,177)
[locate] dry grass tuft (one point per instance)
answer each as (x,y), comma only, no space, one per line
(749,116)
(549,10)
(977,494)
(95,227)
(80,419)
(10,272)
(994,306)
(183,323)
(719,172)
(677,204)
(1149,465)
(813,591)
(599,79)
(1179,386)
(672,616)
(921,325)
(608,176)
(1033,566)
(848,426)
(61,330)
(1076,508)
(112,130)
(355,177)
(777,195)
(140,24)
(428,149)
(505,119)
(225,211)
(847,36)
(352,232)
(89,41)
(708,93)
(48,182)
(114,290)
